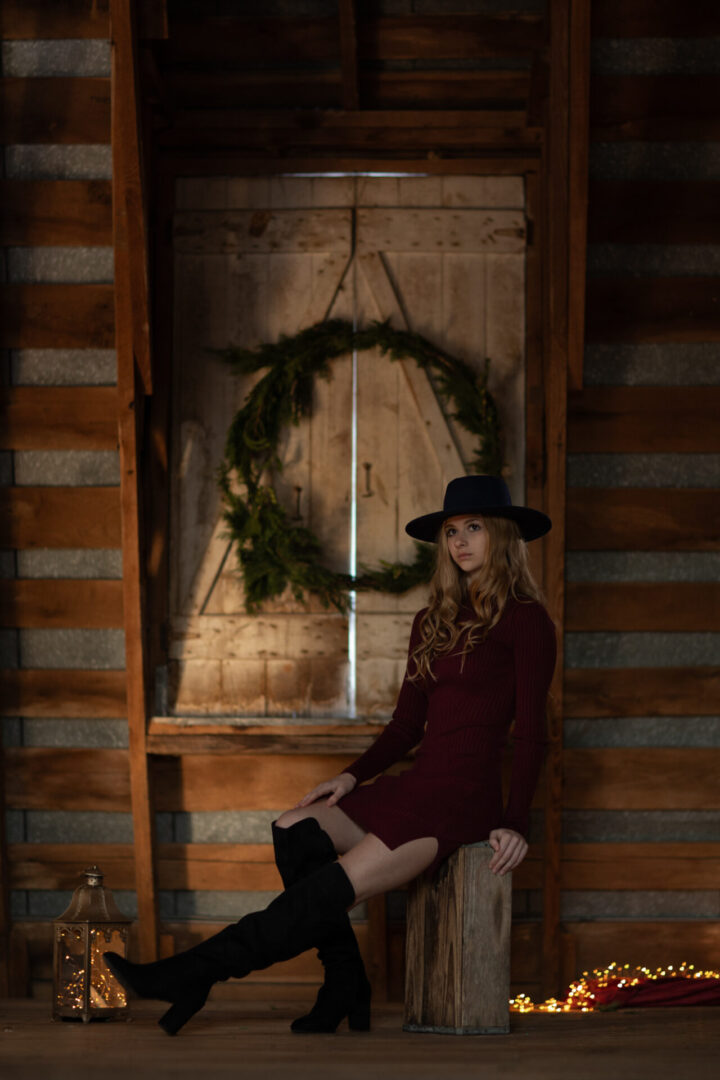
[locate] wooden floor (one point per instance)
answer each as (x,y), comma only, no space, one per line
(251,1039)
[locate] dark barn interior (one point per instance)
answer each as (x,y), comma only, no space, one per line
(532,181)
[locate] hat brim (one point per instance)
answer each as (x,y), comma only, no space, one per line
(532,523)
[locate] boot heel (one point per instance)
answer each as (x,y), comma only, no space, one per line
(179,1013)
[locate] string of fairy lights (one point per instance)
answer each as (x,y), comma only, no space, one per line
(105,992)
(582,995)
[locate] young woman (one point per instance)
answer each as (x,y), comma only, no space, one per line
(481,653)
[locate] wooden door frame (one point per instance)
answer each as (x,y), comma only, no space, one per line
(556,207)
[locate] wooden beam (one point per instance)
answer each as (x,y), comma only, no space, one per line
(636,519)
(251,867)
(647,943)
(48,212)
(634,867)
(644,419)
(29,19)
(53,778)
(223,162)
(556,343)
(169,736)
(348,54)
(59,517)
(450,36)
(73,693)
(57,110)
(229,128)
(646,211)
(50,20)
(240,782)
(56,317)
(58,418)
(57,603)
(689,606)
(653,309)
(578,153)
(134,378)
(6,976)
(675,691)
(654,108)
(227,41)
(655,19)
(379,90)
(642,778)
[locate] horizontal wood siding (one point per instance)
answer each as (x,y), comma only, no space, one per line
(643,519)
(61,693)
(654,108)
(56,212)
(251,867)
(60,517)
(644,419)
(57,317)
(58,418)
(624,779)
(646,212)
(58,603)
(676,691)
(55,110)
(642,605)
(656,309)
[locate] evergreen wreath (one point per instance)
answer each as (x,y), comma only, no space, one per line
(273,551)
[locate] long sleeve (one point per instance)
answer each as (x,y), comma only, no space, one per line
(405,729)
(535,653)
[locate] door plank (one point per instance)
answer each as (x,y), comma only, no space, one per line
(455,230)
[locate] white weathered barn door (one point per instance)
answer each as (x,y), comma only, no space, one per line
(434,258)
(441,256)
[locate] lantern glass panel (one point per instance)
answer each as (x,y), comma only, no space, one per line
(70,967)
(105,991)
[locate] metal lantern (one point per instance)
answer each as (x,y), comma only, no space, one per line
(83,986)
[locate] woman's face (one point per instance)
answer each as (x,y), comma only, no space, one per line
(468,541)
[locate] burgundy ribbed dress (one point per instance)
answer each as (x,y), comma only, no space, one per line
(453,790)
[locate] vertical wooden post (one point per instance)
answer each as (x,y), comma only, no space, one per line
(457,970)
(565,205)
(578,154)
(134,378)
(5,975)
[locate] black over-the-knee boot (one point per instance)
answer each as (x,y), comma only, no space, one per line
(296,920)
(300,850)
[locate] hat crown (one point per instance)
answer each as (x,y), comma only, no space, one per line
(480,491)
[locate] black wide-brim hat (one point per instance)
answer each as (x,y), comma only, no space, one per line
(487,496)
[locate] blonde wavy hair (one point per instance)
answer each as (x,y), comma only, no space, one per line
(505,572)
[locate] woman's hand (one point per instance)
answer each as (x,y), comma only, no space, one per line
(335,788)
(510,849)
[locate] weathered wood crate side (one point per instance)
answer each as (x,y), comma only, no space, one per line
(458,948)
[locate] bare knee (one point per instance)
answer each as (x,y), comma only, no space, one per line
(374,868)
